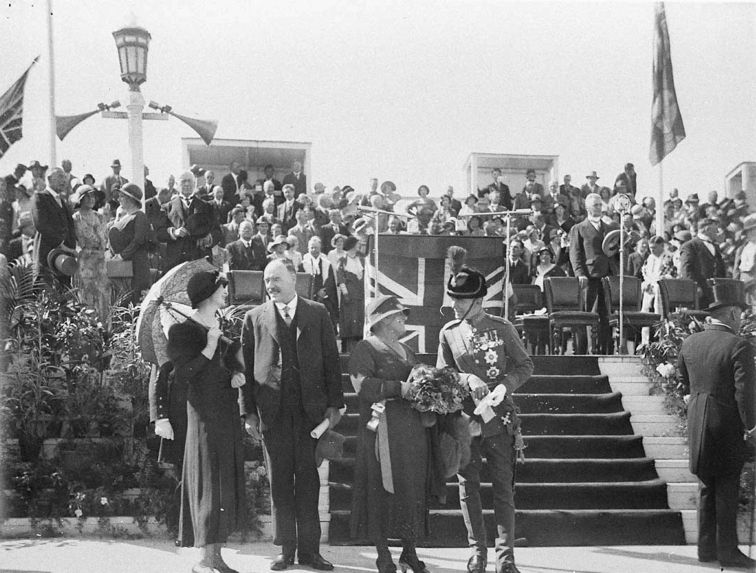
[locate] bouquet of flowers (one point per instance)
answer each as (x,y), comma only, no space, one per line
(436,390)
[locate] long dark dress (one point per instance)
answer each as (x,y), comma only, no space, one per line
(212,489)
(377,514)
(129,237)
(352,311)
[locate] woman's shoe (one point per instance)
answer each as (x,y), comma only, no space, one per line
(411,562)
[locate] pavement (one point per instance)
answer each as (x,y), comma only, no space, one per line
(69,555)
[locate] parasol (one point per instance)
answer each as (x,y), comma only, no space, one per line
(171,288)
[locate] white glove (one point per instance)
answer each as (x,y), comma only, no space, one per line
(164,429)
(238,380)
(478,388)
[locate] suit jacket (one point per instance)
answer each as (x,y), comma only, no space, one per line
(327,233)
(318,356)
(519,273)
(505,195)
(698,264)
(198,219)
(221,211)
(286,214)
(586,255)
(107,184)
(53,223)
(716,368)
(300,183)
(303,235)
(324,276)
(242,258)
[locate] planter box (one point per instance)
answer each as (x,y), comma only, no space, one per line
(117,526)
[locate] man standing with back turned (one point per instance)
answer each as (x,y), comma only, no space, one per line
(716,369)
(491,358)
(293,384)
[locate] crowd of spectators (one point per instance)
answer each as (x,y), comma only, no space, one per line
(241,224)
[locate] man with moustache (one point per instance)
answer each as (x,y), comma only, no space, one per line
(293,383)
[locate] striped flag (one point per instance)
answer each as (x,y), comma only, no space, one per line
(667,129)
(12,112)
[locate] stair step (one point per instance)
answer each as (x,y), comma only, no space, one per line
(666,447)
(602,447)
(616,423)
(574,384)
(546,528)
(565,365)
(630,388)
(655,425)
(651,494)
(675,471)
(682,495)
(569,403)
(643,404)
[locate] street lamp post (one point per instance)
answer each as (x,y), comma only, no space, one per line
(133,44)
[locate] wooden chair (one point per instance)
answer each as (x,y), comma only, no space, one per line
(534,329)
(565,302)
(634,319)
(679,298)
(246,287)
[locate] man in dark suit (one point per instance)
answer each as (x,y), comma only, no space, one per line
(54,224)
(329,231)
(269,171)
(590,265)
(701,260)
(114,180)
(519,273)
(498,185)
(630,177)
(287,211)
(231,183)
(221,207)
(296,178)
(716,369)
(245,254)
(293,384)
(188,226)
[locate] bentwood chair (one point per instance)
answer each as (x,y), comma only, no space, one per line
(533,328)
(565,302)
(633,318)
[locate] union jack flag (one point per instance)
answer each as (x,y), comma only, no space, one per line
(413,268)
(12,113)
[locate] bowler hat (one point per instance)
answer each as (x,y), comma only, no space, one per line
(727,292)
(330,447)
(62,262)
(382,307)
(116,163)
(36,164)
(467,283)
(202,285)
(279,240)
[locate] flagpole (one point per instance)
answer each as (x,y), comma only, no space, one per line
(51,78)
(660,203)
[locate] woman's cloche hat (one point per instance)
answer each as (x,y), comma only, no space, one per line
(202,286)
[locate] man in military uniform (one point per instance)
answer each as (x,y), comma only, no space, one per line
(716,369)
(489,354)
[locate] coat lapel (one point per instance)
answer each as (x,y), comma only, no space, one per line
(304,317)
(270,320)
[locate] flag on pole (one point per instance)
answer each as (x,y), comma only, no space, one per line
(12,112)
(667,129)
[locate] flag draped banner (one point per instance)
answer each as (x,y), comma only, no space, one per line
(414,269)
(667,129)
(12,113)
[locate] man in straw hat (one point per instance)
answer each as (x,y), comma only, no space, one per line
(716,369)
(491,358)
(53,221)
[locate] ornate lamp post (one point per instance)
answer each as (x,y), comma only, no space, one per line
(133,44)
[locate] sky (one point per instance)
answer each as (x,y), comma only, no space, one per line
(396,89)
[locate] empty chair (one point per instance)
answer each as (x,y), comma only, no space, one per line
(634,319)
(246,287)
(565,302)
(533,328)
(680,298)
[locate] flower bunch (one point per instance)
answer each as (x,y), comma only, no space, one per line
(436,390)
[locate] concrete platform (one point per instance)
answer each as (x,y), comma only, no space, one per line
(63,555)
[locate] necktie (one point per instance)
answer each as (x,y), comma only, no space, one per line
(286,315)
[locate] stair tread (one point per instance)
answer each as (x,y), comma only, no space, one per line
(455,512)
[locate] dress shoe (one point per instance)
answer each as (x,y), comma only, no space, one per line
(707,557)
(476,564)
(737,559)
(222,567)
(316,561)
(282,562)
(409,561)
(507,567)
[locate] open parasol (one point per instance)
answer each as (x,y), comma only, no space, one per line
(154,316)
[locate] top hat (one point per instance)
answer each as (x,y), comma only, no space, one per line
(467,283)
(382,307)
(116,163)
(62,262)
(330,447)
(592,174)
(36,164)
(727,292)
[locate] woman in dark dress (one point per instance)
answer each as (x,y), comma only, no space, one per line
(349,276)
(129,239)
(379,367)
(212,488)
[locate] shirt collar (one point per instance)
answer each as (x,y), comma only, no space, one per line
(292,304)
